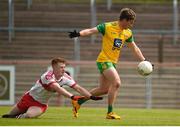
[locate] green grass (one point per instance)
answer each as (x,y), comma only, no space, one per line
(61,116)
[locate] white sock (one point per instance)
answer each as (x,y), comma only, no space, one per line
(22,116)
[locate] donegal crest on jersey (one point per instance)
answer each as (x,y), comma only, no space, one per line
(117,44)
(113,40)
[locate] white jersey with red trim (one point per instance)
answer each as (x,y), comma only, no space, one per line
(40,91)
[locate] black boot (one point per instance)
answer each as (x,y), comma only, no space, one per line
(8,116)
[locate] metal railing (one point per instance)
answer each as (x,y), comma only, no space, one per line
(29,4)
(10,19)
(93,19)
(61,29)
(175,20)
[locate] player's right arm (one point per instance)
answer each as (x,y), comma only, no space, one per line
(85,32)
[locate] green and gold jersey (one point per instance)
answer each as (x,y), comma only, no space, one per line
(113,40)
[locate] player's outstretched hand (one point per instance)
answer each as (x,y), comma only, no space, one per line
(96,98)
(74,34)
(76,97)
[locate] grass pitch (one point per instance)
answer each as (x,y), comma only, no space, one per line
(62,116)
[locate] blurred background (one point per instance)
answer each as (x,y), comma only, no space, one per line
(32,32)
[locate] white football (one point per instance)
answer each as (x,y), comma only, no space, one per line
(145,68)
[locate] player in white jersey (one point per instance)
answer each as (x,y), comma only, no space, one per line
(35,102)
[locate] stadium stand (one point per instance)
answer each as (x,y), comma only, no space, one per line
(42,46)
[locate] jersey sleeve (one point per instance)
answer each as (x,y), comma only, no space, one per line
(47,79)
(69,81)
(101,28)
(130,39)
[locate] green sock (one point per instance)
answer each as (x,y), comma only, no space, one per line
(110,108)
(81,101)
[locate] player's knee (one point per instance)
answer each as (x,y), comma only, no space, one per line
(117,84)
(30,115)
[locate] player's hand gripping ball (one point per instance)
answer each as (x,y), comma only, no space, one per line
(145,68)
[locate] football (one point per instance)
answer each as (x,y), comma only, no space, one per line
(145,68)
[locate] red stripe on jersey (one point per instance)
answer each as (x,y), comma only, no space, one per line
(46,86)
(67,76)
(49,75)
(73,85)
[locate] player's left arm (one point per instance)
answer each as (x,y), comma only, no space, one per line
(136,51)
(86,93)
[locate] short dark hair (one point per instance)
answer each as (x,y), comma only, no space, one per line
(128,14)
(58,60)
